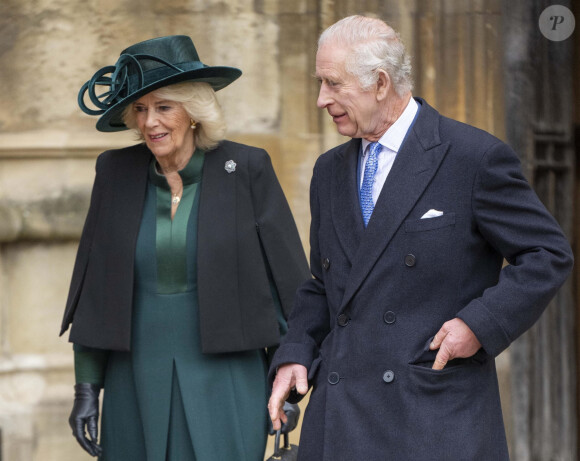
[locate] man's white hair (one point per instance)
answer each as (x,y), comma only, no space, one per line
(372,45)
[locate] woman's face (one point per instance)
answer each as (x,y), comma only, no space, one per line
(165,126)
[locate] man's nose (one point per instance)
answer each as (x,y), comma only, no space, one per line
(323,98)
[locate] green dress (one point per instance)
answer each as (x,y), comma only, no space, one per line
(165,400)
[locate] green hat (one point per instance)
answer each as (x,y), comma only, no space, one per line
(144,67)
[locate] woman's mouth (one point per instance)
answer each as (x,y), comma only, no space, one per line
(156,137)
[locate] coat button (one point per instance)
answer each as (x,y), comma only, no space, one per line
(388,376)
(326,264)
(333,378)
(410,260)
(389,317)
(342,320)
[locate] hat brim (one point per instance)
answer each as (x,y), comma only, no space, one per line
(217,76)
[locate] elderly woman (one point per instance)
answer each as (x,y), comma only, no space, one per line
(186,269)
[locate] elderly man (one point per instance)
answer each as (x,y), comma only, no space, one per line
(408,306)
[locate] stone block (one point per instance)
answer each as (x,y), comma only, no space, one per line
(36,278)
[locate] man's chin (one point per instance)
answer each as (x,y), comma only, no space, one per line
(345,131)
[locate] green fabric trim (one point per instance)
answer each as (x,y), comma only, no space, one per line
(90,365)
(189,175)
(171,240)
(171,234)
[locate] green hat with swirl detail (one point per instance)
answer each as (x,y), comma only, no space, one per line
(142,68)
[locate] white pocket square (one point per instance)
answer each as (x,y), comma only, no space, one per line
(432,213)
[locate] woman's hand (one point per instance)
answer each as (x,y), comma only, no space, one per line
(85,413)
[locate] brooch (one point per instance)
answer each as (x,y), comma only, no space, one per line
(230,166)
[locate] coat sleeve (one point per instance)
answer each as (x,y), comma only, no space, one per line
(277,232)
(90,365)
(309,321)
(511,218)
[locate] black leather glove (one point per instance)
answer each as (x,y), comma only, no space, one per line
(85,413)
(292,412)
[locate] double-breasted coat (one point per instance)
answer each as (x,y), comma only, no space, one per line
(244,220)
(363,324)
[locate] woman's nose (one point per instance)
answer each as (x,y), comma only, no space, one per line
(151,118)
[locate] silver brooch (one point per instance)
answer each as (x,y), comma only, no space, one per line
(230,166)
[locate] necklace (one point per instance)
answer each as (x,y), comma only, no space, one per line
(175,199)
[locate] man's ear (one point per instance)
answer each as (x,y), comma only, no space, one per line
(383,85)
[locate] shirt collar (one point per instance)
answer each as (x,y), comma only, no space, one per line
(190,174)
(394,136)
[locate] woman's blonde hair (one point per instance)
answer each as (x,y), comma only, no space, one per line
(200,102)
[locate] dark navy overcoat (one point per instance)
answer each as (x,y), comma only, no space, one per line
(362,325)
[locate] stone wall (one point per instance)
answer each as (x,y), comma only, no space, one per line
(49,48)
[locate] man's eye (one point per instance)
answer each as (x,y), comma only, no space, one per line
(329,83)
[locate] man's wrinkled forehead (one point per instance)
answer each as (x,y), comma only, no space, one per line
(330,60)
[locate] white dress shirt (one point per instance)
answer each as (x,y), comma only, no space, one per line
(391,142)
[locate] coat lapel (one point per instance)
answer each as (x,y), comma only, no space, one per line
(346,214)
(415,165)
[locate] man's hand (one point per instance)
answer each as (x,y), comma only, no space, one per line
(454,340)
(289,376)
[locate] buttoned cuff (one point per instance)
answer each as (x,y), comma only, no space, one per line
(490,333)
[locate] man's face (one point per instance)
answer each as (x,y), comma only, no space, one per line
(354,111)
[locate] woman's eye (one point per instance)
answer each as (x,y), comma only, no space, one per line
(164,108)
(140,109)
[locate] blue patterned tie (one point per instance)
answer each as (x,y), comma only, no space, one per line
(366,191)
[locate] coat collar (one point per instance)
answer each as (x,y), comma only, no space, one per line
(414,167)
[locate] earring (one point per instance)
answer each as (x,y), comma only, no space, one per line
(193,124)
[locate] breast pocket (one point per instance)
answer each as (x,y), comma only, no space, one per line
(428,224)
(431,249)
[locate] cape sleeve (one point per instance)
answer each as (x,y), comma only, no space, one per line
(309,322)
(84,248)
(277,231)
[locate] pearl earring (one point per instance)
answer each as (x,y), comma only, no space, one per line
(193,124)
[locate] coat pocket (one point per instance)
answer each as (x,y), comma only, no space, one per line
(455,412)
(426,357)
